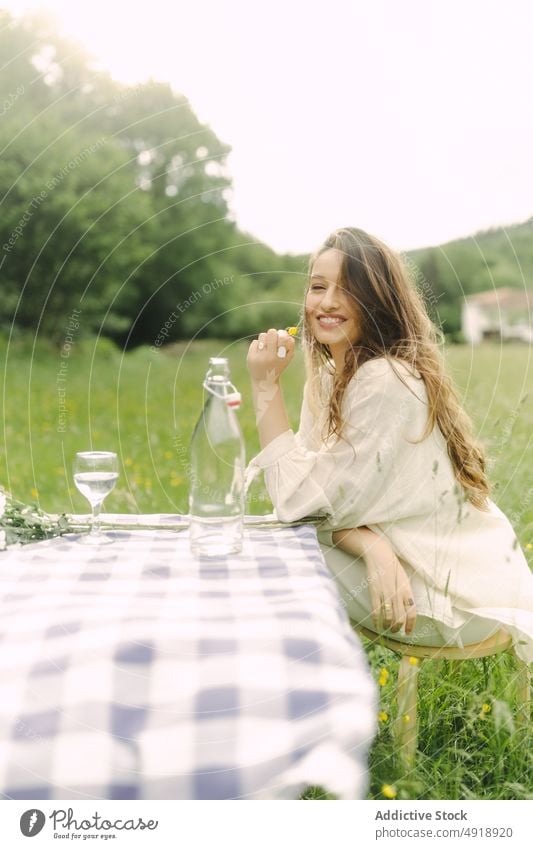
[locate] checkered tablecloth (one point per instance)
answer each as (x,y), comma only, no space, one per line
(134,670)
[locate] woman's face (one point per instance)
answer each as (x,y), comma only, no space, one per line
(326,299)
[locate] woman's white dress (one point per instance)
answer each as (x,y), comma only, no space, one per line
(465,564)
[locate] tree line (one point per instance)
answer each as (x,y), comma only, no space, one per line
(115,202)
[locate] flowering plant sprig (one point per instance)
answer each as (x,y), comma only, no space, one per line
(292,331)
(23,523)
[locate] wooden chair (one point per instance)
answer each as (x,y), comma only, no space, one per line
(405,724)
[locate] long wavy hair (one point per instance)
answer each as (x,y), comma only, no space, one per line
(394,323)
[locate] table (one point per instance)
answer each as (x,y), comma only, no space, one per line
(135,670)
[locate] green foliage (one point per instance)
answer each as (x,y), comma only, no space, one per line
(485,261)
(470,747)
(24,523)
(114,202)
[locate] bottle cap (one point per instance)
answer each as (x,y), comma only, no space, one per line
(233,399)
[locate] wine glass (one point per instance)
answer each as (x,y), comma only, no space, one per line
(95,475)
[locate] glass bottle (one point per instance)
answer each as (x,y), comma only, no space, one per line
(216,494)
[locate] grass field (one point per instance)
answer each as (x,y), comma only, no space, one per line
(144,406)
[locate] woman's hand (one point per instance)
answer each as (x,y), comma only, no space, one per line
(263,360)
(391,595)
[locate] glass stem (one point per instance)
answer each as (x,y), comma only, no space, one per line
(95,521)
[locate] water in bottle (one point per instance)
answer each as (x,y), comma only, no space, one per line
(216,494)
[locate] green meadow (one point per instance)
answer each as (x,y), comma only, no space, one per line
(144,405)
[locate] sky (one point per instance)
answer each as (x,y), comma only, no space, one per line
(409,119)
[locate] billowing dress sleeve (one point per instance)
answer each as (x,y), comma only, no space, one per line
(361,475)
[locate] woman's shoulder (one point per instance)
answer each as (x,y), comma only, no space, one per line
(390,380)
(377,376)
(392,368)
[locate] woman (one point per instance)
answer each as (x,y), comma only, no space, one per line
(385,452)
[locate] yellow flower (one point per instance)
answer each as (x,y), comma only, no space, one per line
(529,546)
(406,718)
(383,716)
(486,708)
(389,791)
(414,661)
(292,331)
(34,493)
(168,455)
(383,676)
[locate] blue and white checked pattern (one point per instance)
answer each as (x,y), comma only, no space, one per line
(137,671)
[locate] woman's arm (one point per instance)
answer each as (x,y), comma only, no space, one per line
(365,473)
(390,591)
(356,541)
(265,370)
(270,413)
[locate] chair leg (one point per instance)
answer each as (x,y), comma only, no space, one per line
(405,726)
(523,690)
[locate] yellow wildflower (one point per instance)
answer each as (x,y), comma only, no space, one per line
(406,718)
(529,546)
(414,661)
(34,493)
(486,708)
(168,455)
(383,676)
(383,716)
(292,331)
(389,791)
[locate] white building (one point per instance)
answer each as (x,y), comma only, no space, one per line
(504,314)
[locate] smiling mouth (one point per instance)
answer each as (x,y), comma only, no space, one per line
(330,322)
